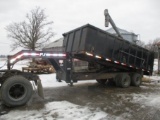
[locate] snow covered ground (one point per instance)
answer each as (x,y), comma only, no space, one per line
(57,110)
(65,110)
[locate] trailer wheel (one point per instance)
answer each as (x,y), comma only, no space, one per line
(136,80)
(16,91)
(117,80)
(102,81)
(124,80)
(111,82)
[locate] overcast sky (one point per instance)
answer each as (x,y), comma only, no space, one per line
(138,16)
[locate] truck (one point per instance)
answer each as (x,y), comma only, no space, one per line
(105,57)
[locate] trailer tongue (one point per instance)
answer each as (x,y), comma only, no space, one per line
(25,54)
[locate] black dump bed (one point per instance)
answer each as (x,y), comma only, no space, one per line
(92,41)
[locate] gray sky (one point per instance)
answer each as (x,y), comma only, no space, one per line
(138,16)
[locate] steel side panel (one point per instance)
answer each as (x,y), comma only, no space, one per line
(77,39)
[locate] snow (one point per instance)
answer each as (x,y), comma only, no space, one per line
(155,67)
(50,81)
(57,110)
(151,100)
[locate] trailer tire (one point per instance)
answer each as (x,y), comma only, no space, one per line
(102,81)
(16,91)
(117,80)
(124,80)
(111,82)
(136,80)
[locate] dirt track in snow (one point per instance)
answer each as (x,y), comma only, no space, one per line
(113,100)
(127,103)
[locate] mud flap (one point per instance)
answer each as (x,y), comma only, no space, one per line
(40,88)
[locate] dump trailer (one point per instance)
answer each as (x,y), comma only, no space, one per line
(89,54)
(108,57)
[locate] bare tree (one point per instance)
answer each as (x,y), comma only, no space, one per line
(32,33)
(152,45)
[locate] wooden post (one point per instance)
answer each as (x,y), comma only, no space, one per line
(158,59)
